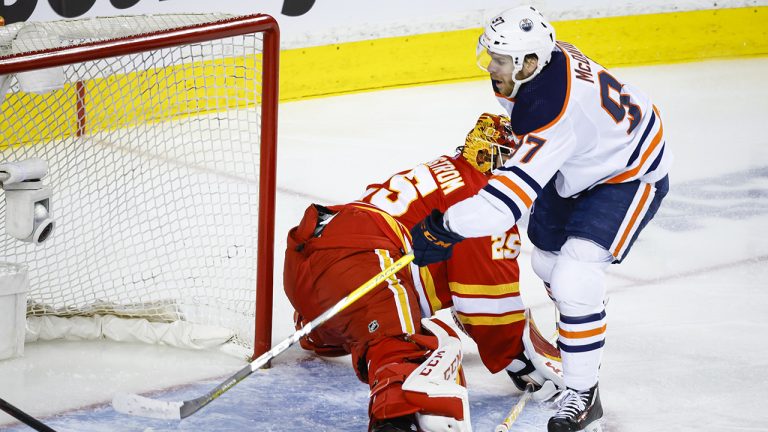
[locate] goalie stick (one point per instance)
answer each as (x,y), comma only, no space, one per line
(171,410)
(514,413)
(24,417)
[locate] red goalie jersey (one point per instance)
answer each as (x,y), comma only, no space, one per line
(335,249)
(481,280)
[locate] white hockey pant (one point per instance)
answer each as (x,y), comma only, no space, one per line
(576,277)
(543,262)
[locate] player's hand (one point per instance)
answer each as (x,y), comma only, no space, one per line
(432,242)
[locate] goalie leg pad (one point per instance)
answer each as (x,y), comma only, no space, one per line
(540,363)
(544,356)
(387,399)
(437,385)
(388,362)
(420,375)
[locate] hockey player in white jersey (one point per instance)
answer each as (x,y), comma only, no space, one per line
(591,166)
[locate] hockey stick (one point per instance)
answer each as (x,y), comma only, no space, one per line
(146,407)
(514,413)
(24,417)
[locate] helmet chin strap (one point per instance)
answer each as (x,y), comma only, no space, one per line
(514,89)
(518,83)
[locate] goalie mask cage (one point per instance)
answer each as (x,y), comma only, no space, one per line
(160,135)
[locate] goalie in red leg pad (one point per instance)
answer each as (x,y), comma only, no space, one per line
(389,363)
(539,364)
(433,389)
(336,249)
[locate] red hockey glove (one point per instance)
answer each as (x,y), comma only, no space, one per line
(431,241)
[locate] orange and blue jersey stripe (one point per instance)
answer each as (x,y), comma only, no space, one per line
(516,189)
(647,154)
(633,219)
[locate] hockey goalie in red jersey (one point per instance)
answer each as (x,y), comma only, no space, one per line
(410,358)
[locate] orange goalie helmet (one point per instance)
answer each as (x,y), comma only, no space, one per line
(490,143)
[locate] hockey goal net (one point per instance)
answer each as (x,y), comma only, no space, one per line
(159,132)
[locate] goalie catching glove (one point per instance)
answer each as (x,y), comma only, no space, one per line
(432,242)
(539,364)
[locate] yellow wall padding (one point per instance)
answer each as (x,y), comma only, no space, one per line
(450,56)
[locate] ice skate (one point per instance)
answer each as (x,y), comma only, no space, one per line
(578,411)
(398,424)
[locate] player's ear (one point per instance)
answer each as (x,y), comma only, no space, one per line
(530,63)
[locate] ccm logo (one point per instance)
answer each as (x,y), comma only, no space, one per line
(551,366)
(450,370)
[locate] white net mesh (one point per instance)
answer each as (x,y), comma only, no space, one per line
(154,164)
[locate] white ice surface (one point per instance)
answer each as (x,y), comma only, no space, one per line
(688,309)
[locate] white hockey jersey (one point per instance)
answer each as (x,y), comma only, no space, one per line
(575,121)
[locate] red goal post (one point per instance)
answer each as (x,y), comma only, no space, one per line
(136,97)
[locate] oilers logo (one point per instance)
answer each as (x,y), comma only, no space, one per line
(526,25)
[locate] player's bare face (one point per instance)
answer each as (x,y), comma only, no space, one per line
(501,68)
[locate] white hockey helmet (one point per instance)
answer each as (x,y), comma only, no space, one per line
(516,33)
